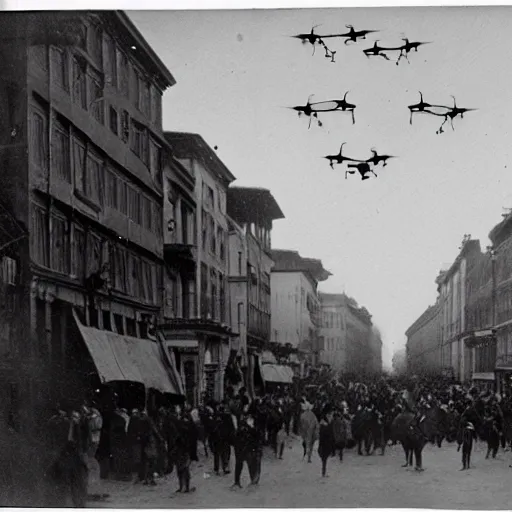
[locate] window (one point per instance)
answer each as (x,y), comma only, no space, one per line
(134,86)
(39,236)
(93,254)
(131,327)
(135,276)
(107,321)
(208,196)
(60,70)
(133,204)
(114,121)
(96,96)
(38,139)
(123,74)
(123,196)
(60,245)
(119,268)
(125,126)
(214,297)
(80,82)
(145,204)
(144,97)
(205,307)
(155,165)
(157,209)
(137,144)
(110,62)
(78,252)
(222,243)
(96,44)
(111,189)
(156,102)
(213,235)
(93,178)
(222,297)
(204,228)
(60,152)
(171,297)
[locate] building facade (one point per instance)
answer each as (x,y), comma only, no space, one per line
(295,305)
(456,354)
(82,143)
(424,343)
(333,331)
(201,344)
(252,212)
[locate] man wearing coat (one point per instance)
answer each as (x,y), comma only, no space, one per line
(308,431)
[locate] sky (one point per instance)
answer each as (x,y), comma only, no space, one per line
(384,239)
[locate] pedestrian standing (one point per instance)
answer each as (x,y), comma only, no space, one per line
(185,450)
(326,444)
(280,441)
(248,448)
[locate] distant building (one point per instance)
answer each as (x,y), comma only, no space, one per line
(424,343)
(252,212)
(296,318)
(333,331)
(201,345)
(399,361)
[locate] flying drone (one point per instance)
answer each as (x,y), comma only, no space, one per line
(313,109)
(316,39)
(405,49)
(362,166)
(446,112)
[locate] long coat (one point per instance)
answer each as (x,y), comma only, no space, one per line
(308,430)
(326,444)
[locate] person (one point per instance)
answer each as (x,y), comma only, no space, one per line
(184,449)
(326,444)
(248,448)
(280,440)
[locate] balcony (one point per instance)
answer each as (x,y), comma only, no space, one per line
(258,323)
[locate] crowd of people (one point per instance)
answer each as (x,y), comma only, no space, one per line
(95,442)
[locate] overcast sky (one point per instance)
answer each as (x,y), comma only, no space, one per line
(386,238)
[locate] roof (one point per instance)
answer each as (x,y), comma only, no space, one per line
(467,248)
(292,261)
(250,204)
(501,231)
(192,145)
(143,51)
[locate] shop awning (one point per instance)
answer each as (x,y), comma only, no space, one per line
(125,358)
(277,373)
(181,343)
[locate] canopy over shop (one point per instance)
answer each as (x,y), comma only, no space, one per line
(125,359)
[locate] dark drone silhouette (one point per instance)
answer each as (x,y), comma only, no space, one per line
(449,115)
(376,159)
(407,47)
(313,109)
(352,35)
(339,158)
(362,166)
(419,108)
(314,39)
(376,51)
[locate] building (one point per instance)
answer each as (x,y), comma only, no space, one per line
(456,355)
(363,345)
(200,343)
(333,331)
(424,343)
(252,212)
(399,362)
(295,304)
(82,140)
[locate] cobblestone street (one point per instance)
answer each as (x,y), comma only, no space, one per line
(374,481)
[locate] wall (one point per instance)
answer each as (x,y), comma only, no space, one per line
(290,320)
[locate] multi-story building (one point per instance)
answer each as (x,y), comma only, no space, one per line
(295,304)
(201,346)
(456,355)
(81,138)
(252,212)
(424,343)
(363,347)
(333,331)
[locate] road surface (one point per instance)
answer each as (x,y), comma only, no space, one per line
(359,481)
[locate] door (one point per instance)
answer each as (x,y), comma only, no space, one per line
(190,374)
